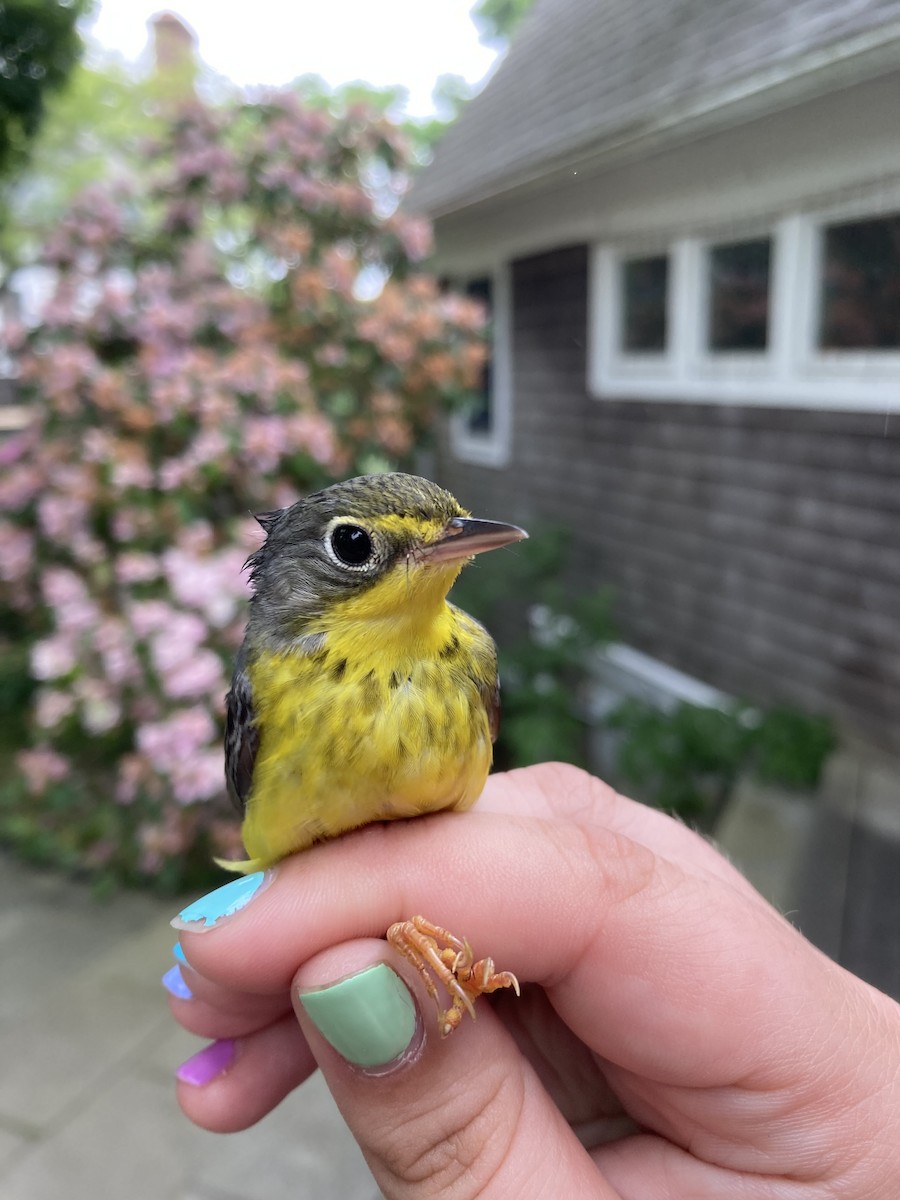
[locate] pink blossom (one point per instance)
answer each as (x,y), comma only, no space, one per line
(209,446)
(131,471)
(136,567)
(200,777)
(175,473)
(313,433)
(212,585)
(131,774)
(196,538)
(98,446)
(15,446)
(195,677)
(87,549)
(19,486)
(415,237)
(62,587)
(99,710)
(41,767)
(52,707)
(150,616)
(54,657)
(178,640)
(161,841)
(16,551)
(168,743)
(263,441)
(114,642)
(60,518)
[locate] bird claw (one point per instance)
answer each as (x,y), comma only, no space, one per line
(435,952)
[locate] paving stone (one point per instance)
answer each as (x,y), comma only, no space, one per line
(12,1144)
(130,1142)
(51,928)
(71,1039)
(162,1054)
(303,1148)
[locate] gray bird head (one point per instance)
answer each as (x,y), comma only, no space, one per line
(323,556)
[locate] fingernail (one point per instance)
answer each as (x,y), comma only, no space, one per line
(223,902)
(179,954)
(370,1018)
(173,982)
(213,1060)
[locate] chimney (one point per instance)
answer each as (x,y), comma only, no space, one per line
(174,44)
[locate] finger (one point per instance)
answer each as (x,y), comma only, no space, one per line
(463,1117)
(212,1021)
(232,1083)
(209,1009)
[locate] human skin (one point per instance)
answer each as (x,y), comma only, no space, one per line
(677,1039)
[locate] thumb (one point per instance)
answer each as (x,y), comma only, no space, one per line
(435,1118)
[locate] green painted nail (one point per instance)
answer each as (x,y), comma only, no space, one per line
(369,1018)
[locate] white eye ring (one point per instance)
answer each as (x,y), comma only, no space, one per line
(350,545)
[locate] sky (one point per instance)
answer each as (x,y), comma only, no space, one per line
(406,42)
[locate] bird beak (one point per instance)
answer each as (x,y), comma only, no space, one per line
(465,536)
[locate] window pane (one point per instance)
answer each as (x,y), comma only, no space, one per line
(480,418)
(739,295)
(645,284)
(861,285)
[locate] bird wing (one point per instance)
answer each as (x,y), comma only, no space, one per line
(241,738)
(491,698)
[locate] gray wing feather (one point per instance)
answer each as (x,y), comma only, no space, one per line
(241,737)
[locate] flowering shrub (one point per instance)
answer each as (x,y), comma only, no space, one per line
(219,341)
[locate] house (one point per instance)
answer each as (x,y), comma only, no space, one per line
(686,216)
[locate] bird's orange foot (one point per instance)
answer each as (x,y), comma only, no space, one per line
(434,951)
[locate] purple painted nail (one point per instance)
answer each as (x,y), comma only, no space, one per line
(208,1063)
(174,983)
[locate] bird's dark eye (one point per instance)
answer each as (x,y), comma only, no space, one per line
(351,544)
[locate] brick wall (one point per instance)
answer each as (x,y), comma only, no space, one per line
(756,548)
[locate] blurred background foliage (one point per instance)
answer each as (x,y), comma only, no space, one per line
(39,47)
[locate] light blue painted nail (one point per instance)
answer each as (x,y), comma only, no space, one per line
(223,902)
(173,982)
(179,954)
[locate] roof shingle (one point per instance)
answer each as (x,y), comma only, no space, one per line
(581,72)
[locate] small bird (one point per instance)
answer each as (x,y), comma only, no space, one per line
(360,693)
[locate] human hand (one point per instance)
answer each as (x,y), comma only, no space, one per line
(676,1038)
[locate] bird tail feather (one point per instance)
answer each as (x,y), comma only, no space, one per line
(245,866)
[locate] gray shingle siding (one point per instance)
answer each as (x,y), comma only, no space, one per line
(756,548)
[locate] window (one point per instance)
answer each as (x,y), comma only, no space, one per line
(479,419)
(738,311)
(481,433)
(645,289)
(860,285)
(804,312)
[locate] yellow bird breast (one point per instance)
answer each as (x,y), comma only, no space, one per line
(350,736)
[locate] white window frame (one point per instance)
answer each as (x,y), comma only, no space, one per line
(791,372)
(492,447)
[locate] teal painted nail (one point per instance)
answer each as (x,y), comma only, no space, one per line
(369,1018)
(223,902)
(178,954)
